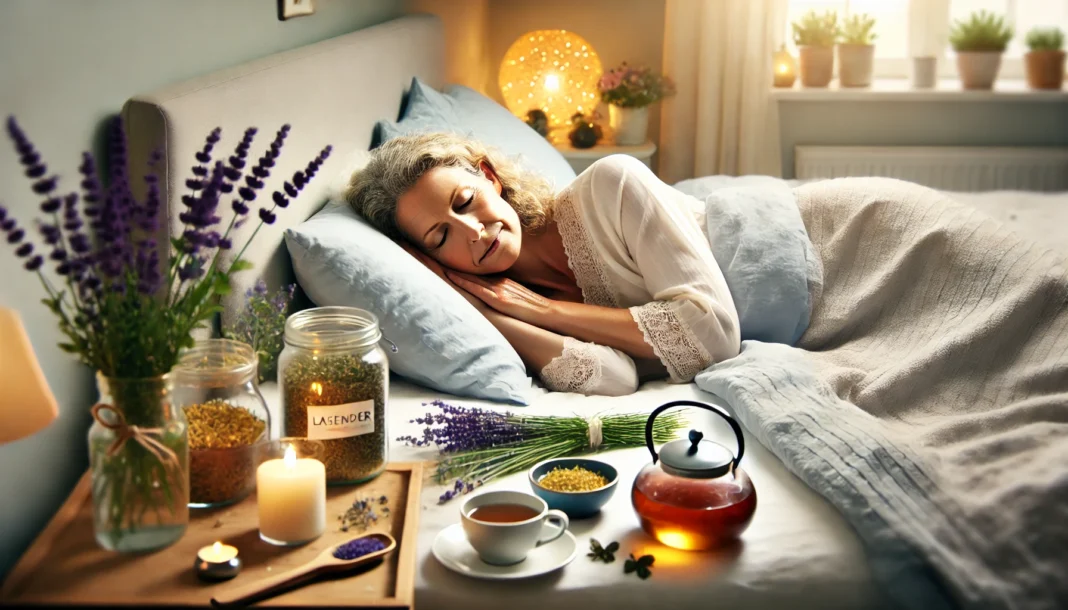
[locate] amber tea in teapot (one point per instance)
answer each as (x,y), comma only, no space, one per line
(696,497)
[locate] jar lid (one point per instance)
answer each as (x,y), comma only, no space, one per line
(695,458)
(332,328)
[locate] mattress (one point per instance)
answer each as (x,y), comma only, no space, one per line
(798,552)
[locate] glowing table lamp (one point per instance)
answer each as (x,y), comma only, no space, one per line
(26,404)
(554,70)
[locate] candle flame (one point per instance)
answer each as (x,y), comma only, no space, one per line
(290,458)
(217,547)
(317,388)
(782,69)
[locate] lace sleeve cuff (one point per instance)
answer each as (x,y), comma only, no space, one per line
(576,369)
(672,341)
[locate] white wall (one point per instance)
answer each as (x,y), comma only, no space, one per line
(65,66)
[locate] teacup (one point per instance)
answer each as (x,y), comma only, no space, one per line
(503,526)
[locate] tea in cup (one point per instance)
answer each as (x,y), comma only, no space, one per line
(503,526)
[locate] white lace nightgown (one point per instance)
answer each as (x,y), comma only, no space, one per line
(633,241)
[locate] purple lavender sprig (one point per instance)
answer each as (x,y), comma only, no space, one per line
(261,324)
(119,312)
(477,445)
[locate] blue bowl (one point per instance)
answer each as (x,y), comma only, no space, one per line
(575,504)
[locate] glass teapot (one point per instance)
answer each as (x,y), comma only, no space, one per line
(693,496)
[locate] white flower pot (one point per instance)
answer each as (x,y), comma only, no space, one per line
(855,64)
(978,69)
(629,124)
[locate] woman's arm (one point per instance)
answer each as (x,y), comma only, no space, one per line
(602,325)
(563,364)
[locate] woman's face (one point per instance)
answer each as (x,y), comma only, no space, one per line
(460,220)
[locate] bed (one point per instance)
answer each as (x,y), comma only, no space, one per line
(798,552)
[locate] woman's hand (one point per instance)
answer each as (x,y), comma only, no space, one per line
(506,296)
(438,270)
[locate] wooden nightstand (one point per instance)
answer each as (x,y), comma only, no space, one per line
(581,158)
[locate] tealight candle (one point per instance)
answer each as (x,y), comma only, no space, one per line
(291,498)
(217,562)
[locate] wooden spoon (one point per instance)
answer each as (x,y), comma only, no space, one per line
(325,563)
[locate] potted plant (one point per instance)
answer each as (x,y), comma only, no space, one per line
(979,43)
(128,314)
(1045,61)
(856,53)
(629,92)
(814,36)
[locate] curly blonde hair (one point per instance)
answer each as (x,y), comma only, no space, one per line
(395,166)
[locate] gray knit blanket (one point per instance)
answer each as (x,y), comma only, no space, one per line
(928,399)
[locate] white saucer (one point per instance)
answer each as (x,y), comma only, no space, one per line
(454,552)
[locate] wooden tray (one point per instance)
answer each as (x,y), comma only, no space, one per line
(66,566)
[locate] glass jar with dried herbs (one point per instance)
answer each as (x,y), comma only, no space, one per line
(334,382)
(215,384)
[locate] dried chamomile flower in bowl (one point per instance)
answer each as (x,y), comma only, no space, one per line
(578,486)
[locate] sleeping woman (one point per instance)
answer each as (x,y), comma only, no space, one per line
(605,283)
(619,277)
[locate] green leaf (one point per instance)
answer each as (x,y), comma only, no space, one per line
(612,547)
(646,561)
(630,565)
(178,244)
(240,265)
(643,572)
(221,285)
(68,347)
(595,546)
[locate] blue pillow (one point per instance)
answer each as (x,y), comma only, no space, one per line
(442,341)
(467,111)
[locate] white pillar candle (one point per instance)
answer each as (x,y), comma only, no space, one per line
(291,496)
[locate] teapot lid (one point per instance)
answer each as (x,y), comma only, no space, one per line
(695,458)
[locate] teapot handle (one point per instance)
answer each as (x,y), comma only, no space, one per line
(692,403)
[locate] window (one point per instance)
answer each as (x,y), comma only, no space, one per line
(906,28)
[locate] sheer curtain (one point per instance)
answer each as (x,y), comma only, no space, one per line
(723,120)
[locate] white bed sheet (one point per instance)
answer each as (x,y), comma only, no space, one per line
(797,553)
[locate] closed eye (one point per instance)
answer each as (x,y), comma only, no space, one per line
(466,203)
(445,231)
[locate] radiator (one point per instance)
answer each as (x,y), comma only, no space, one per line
(941,167)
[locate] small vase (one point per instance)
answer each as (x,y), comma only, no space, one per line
(817,65)
(924,72)
(629,124)
(139,465)
(978,69)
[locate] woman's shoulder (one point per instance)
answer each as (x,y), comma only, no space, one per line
(613,187)
(614,170)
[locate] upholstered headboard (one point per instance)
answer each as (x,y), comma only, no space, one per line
(330,92)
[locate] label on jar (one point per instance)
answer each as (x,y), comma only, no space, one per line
(341,421)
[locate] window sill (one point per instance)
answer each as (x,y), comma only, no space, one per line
(899,90)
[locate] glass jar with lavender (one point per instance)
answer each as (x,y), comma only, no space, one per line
(334,381)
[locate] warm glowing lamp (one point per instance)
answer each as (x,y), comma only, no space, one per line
(554,70)
(26,403)
(785,68)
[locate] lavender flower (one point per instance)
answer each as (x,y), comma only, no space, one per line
(261,324)
(358,548)
(465,429)
(107,252)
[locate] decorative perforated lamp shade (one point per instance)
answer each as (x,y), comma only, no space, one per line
(26,403)
(554,70)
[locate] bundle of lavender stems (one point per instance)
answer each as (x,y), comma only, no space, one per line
(477,445)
